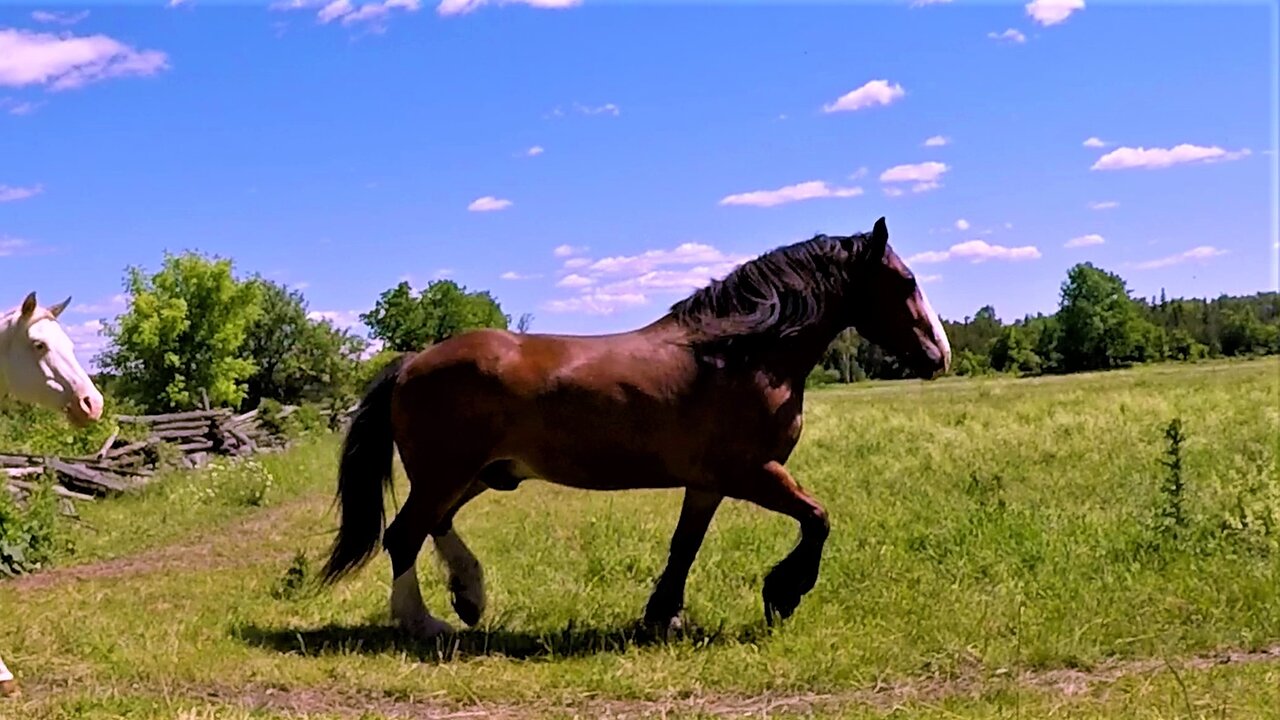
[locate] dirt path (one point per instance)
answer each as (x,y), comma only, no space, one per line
(222,548)
(336,702)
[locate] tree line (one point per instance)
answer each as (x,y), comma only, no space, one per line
(1099,325)
(193,330)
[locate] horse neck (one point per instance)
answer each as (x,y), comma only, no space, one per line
(792,358)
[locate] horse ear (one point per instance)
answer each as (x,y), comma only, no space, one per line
(879,238)
(29,305)
(56,310)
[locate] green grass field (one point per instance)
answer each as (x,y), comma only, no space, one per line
(1000,548)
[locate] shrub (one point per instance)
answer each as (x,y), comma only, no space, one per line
(30,532)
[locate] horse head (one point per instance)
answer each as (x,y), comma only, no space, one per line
(38,363)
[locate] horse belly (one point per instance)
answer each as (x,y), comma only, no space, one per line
(600,454)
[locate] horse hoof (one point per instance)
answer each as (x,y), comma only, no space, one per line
(778,606)
(467,608)
(668,629)
(428,628)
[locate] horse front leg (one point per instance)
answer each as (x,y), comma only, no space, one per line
(773,488)
(667,600)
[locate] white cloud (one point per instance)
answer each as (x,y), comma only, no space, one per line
(349,13)
(88,339)
(925,176)
(576,263)
(922,3)
(875,92)
(919,172)
(66,61)
(605,109)
(962,224)
(1010,35)
(791,193)
(488,203)
(976,251)
(442,273)
(59,18)
(926,279)
(1095,142)
(1203,252)
(461,7)
(859,173)
(534,151)
(513,275)
(937,141)
(685,280)
(342,319)
(1052,12)
(620,281)
(15,107)
(372,347)
(112,305)
(595,303)
(10,193)
(1103,205)
(1085,241)
(334,10)
(574,280)
(12,246)
(683,254)
(564,251)
(176,3)
(1126,158)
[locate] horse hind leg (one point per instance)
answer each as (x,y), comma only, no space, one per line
(466,576)
(433,492)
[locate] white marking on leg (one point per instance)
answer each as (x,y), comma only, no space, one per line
(466,576)
(5,675)
(935,325)
(408,609)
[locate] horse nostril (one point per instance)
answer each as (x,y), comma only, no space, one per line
(88,405)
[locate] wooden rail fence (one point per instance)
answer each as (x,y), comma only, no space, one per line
(187,439)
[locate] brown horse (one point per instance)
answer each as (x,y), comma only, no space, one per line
(707,398)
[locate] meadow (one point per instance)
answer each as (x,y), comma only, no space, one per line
(1000,548)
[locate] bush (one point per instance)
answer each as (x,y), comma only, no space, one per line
(822,376)
(305,419)
(36,430)
(30,534)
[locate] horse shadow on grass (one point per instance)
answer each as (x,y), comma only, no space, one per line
(574,640)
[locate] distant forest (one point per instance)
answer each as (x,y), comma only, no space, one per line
(1098,326)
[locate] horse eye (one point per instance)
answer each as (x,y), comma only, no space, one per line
(40,346)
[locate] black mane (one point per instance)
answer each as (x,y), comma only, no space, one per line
(775,295)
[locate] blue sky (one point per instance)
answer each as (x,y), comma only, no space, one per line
(593,162)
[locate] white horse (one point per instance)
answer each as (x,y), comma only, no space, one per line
(38,365)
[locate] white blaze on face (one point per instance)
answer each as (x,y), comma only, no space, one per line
(935,326)
(64,384)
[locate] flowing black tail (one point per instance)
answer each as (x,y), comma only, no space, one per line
(364,473)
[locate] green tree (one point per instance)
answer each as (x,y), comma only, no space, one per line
(298,358)
(1013,351)
(183,332)
(443,309)
(1243,333)
(1099,325)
